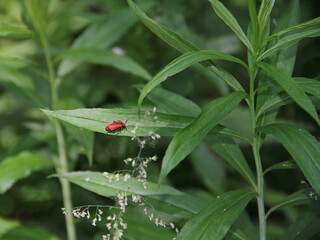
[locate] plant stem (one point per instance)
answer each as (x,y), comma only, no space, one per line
(256,154)
(65,185)
(63,163)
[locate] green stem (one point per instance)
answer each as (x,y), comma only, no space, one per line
(65,184)
(63,164)
(256,154)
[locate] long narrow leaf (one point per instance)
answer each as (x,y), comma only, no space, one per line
(230,151)
(8,30)
(108,58)
(305,227)
(187,139)
(183,46)
(181,63)
(302,26)
(289,41)
(303,147)
(297,198)
(97,119)
(254,19)
(283,59)
(283,165)
(214,221)
(99,184)
(100,34)
(264,14)
(172,103)
(229,19)
(292,88)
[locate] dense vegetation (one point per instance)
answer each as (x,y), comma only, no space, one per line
(220,100)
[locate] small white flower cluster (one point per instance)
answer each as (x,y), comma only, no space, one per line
(122,200)
(116,225)
(158,221)
(117,176)
(79,213)
(139,165)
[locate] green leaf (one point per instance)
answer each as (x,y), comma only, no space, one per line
(230,151)
(292,35)
(305,227)
(214,221)
(274,102)
(8,30)
(140,227)
(21,84)
(181,63)
(264,13)
(283,59)
(108,58)
(84,137)
(253,19)
(96,119)
(28,233)
(297,198)
(143,124)
(313,24)
(208,168)
(183,46)
(303,147)
(292,88)
(106,32)
(281,165)
(170,37)
(229,19)
(37,9)
(309,85)
(6,225)
(20,166)
(187,139)
(98,183)
(171,102)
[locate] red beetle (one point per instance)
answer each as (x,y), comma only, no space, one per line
(116,126)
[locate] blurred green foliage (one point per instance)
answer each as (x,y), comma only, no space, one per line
(33,204)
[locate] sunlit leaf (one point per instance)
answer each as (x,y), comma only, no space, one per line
(303,147)
(143,124)
(297,198)
(292,88)
(108,58)
(6,225)
(98,183)
(7,30)
(187,138)
(229,19)
(20,166)
(214,221)
(181,63)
